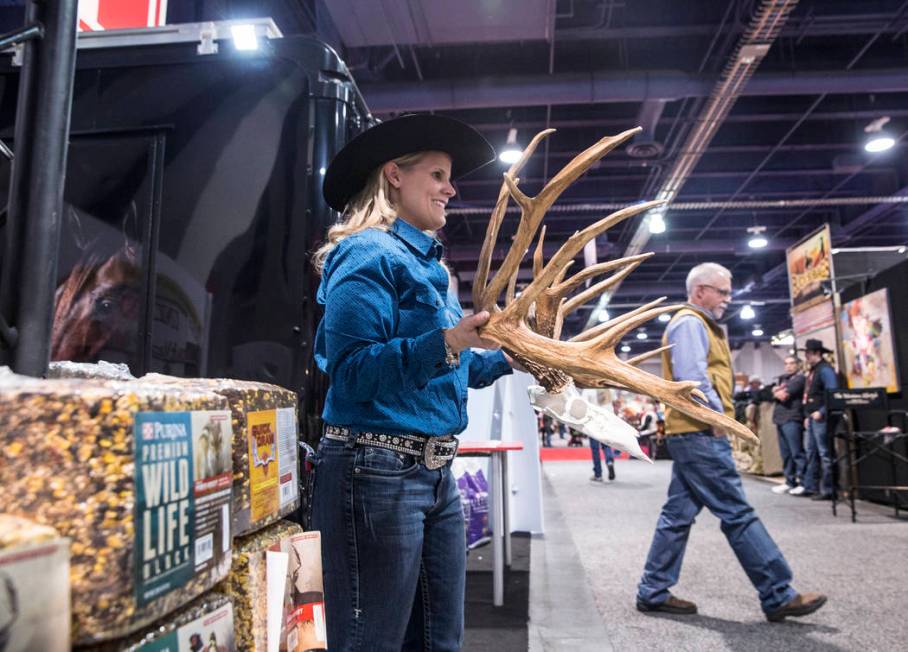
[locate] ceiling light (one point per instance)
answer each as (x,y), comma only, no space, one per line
(747,312)
(603,316)
(664,317)
(879,143)
(877,139)
(656,223)
(783,338)
(511,152)
(757,239)
(626,348)
(757,332)
(244,37)
(642,335)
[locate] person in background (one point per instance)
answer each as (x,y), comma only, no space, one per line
(648,425)
(703,471)
(595,398)
(817,481)
(788,394)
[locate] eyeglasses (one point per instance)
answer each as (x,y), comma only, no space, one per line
(721,292)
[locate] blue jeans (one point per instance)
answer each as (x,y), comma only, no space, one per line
(595,445)
(393,550)
(819,466)
(791,446)
(703,474)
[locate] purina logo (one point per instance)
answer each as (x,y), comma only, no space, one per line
(147,431)
(99,15)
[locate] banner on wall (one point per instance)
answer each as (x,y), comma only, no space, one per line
(99,15)
(817,316)
(809,264)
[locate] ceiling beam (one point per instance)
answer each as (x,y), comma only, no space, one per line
(609,86)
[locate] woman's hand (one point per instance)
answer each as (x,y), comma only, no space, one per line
(465,334)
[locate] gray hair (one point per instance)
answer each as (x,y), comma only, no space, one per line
(703,273)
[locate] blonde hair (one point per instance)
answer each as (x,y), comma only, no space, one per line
(370,208)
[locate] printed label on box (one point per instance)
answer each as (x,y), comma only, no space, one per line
(287,445)
(183,479)
(262,439)
(304,602)
(213,631)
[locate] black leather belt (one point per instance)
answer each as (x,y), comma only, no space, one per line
(433,452)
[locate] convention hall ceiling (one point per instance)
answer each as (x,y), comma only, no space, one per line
(743,103)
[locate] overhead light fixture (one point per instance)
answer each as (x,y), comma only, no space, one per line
(642,335)
(878,140)
(757,332)
(626,348)
(244,37)
(783,338)
(757,239)
(511,152)
(603,316)
(747,312)
(879,143)
(657,222)
(664,317)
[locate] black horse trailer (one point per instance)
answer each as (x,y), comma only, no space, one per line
(193,200)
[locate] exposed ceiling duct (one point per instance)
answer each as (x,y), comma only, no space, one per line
(765,26)
(609,86)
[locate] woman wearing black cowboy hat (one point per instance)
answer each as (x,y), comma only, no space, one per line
(397,348)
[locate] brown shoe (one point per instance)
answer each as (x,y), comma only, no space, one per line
(671,606)
(801,605)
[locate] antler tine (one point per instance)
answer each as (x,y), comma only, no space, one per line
(590,333)
(613,335)
(580,164)
(482,294)
(538,261)
(595,270)
(637,359)
(512,290)
(592,292)
(573,246)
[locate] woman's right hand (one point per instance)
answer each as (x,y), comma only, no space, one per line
(465,334)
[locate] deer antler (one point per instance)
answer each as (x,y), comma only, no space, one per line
(589,358)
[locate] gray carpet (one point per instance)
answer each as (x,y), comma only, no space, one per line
(861,567)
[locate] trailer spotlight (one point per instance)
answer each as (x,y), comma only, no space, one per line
(244,37)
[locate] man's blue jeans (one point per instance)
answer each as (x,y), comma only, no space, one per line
(393,550)
(703,474)
(819,466)
(595,446)
(791,446)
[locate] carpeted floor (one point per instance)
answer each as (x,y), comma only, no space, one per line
(504,628)
(860,566)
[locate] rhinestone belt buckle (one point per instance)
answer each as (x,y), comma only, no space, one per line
(438,451)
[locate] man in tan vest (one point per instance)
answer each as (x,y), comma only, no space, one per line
(703,472)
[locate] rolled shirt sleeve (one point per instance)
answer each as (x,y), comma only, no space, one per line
(689,355)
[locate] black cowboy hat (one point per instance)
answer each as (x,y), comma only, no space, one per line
(815,345)
(350,169)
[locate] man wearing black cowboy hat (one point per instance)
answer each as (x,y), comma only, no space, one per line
(817,480)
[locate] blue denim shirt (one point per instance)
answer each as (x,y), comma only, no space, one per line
(386,302)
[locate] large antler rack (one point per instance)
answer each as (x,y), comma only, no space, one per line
(529,325)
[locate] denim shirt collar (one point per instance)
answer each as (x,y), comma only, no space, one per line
(417,240)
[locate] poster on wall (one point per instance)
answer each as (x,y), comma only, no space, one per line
(867,343)
(817,316)
(809,263)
